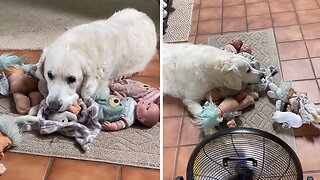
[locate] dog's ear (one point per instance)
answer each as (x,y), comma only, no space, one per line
(40,65)
(231,78)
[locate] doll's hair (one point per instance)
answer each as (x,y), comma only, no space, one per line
(10,129)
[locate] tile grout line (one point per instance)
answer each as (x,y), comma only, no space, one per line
(119,170)
(275,39)
(246,14)
(178,149)
(222,19)
(297,59)
(305,44)
(48,171)
(198,20)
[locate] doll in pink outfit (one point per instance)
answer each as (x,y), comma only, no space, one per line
(137,90)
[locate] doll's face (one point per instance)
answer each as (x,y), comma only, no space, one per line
(5,143)
(148,113)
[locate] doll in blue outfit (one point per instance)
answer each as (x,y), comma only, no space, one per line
(117,112)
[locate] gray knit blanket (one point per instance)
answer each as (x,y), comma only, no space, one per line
(84,128)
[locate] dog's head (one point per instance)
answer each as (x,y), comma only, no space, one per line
(62,70)
(238,71)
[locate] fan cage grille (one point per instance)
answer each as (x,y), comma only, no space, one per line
(273,161)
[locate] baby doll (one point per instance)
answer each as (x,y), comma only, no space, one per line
(243,98)
(116,113)
(22,86)
(212,115)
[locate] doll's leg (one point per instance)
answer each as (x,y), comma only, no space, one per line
(22,103)
(35,98)
(247,101)
(113,126)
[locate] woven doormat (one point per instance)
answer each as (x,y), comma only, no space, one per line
(135,146)
(179,21)
(265,50)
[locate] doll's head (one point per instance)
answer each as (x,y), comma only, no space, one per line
(246,48)
(236,43)
(148,113)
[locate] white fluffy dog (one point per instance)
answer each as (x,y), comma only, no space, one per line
(83,60)
(189,71)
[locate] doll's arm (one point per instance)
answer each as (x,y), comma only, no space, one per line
(75,108)
(113,126)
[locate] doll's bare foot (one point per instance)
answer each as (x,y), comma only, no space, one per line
(232,123)
(113,126)
(22,103)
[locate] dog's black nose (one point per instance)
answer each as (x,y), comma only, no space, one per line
(262,75)
(55,105)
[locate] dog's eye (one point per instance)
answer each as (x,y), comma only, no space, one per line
(249,70)
(50,75)
(71,79)
(114,102)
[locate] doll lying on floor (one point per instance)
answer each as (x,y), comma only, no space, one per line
(137,90)
(117,112)
(17,81)
(229,108)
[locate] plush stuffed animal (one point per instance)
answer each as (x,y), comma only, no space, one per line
(299,110)
(283,93)
(22,86)
(116,113)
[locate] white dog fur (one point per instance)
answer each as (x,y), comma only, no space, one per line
(83,60)
(189,71)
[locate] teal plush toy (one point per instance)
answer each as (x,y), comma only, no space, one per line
(209,117)
(213,115)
